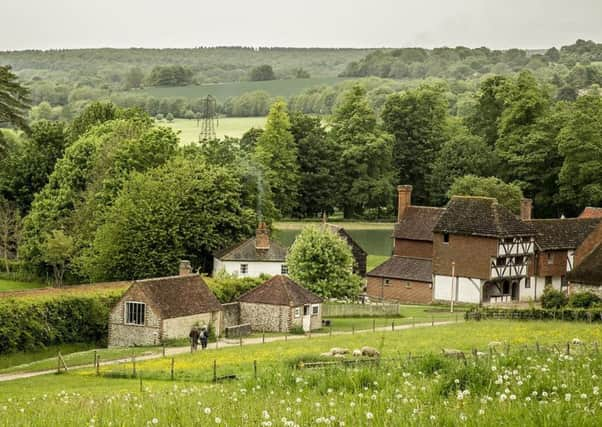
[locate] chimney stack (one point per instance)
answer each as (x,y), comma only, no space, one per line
(526,209)
(404,200)
(262,237)
(185,268)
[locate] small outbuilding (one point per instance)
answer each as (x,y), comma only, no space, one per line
(154,310)
(280,304)
(587,276)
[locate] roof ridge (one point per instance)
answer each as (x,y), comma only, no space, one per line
(161,279)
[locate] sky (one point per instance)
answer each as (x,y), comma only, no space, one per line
(498,24)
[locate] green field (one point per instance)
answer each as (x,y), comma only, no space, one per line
(234,127)
(15,285)
(519,383)
(223,91)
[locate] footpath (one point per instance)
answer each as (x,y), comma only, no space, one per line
(223,343)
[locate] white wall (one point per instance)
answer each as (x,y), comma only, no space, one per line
(465,289)
(528,294)
(255,269)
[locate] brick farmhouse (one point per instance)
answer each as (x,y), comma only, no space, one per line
(474,250)
(154,310)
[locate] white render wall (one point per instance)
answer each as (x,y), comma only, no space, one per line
(529,294)
(466,289)
(255,268)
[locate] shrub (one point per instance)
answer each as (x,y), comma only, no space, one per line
(297,330)
(552,298)
(34,323)
(584,300)
(228,288)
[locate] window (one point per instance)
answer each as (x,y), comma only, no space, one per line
(134,313)
(387,282)
(550,258)
(297,312)
(445,237)
(284,269)
(527,283)
(315,309)
(506,288)
(305,310)
(244,268)
(548,280)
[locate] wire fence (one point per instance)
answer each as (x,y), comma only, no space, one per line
(170,368)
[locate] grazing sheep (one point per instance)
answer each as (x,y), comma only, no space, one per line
(338,350)
(577,341)
(357,352)
(339,356)
(370,352)
(450,352)
(326,354)
(495,344)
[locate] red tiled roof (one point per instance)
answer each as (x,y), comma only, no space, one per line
(561,234)
(177,296)
(405,268)
(418,223)
(280,290)
(591,212)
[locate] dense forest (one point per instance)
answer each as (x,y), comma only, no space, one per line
(109,194)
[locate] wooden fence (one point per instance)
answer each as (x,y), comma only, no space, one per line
(356,310)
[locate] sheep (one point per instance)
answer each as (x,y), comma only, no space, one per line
(495,344)
(577,341)
(370,352)
(338,350)
(357,352)
(339,356)
(450,352)
(326,354)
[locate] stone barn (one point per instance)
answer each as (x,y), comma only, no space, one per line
(154,310)
(279,305)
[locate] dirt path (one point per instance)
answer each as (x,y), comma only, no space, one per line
(223,343)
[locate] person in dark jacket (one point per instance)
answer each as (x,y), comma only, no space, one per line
(194,336)
(204,337)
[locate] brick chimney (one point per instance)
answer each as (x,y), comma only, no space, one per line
(526,209)
(404,200)
(185,268)
(262,237)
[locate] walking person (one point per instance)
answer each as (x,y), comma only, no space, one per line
(204,336)
(194,338)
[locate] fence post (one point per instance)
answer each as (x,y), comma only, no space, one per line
(214,370)
(163,348)
(596,346)
(568,348)
(240,339)
(172,371)
(507,349)
(255,368)
(373,325)
(456,317)
(352,329)
(98,365)
(393,325)
(263,336)
(95,354)
(141,385)
(330,330)
(537,346)
(58,363)
(133,366)
(432,320)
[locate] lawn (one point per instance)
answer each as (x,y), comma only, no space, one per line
(525,386)
(229,126)
(223,91)
(15,285)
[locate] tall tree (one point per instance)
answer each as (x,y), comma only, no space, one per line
(489,108)
(462,154)
(365,155)
(58,250)
(418,119)
(580,142)
(14,99)
(508,195)
(322,262)
(318,161)
(134,78)
(276,156)
(10,225)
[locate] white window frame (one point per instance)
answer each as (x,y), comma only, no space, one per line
(244,267)
(315,309)
(283,269)
(297,313)
(125,313)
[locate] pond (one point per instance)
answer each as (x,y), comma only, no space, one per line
(375,239)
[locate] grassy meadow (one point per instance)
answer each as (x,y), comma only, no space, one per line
(16,285)
(526,385)
(234,127)
(223,91)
